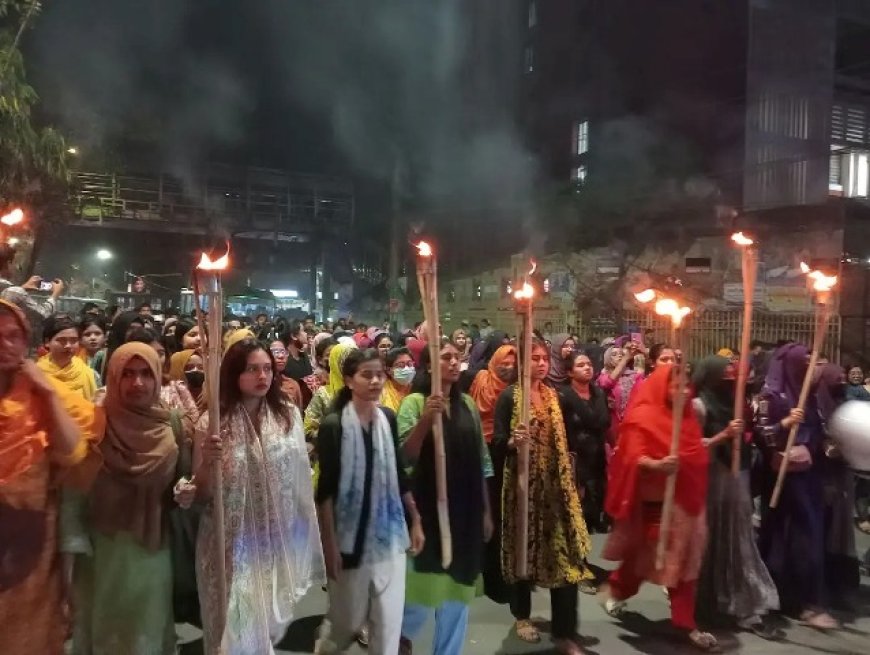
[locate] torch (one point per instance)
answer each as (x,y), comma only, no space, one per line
(427,279)
(524,297)
(822,285)
(748,267)
(14,217)
(676,312)
(212,357)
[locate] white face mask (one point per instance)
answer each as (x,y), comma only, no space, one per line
(404,376)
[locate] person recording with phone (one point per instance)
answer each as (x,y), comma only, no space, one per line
(36,309)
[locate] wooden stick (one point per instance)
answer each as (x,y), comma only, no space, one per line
(822,315)
(427,277)
(523,453)
(678,405)
(748,267)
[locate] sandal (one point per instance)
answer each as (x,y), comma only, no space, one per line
(819,620)
(527,632)
(703,641)
(362,636)
(761,629)
(587,587)
(614,608)
(405,646)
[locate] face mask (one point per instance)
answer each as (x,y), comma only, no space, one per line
(506,375)
(195,379)
(404,376)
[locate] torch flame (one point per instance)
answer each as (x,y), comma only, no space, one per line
(534,267)
(741,240)
(424,249)
(221,264)
(13,218)
(527,292)
(670,307)
(821,282)
(645,296)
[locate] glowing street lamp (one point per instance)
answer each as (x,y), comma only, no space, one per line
(104,255)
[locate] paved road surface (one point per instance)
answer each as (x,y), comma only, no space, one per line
(646,629)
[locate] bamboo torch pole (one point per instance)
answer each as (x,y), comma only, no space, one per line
(525,301)
(748,267)
(823,285)
(427,280)
(212,379)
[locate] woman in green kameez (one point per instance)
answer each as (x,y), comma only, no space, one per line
(124,591)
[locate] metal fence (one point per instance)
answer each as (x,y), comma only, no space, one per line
(708,331)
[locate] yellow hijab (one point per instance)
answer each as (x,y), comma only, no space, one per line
(76,376)
(177,363)
(232,338)
(337,356)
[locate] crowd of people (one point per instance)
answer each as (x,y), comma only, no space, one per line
(116,493)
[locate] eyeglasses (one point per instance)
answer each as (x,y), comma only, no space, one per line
(278,352)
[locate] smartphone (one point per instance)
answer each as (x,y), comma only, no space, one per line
(46,286)
(637,337)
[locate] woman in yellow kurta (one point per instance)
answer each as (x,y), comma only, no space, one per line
(45,437)
(558,542)
(399,366)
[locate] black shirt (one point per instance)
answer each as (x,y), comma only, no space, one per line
(298,368)
(329,457)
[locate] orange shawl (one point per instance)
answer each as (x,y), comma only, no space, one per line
(487,387)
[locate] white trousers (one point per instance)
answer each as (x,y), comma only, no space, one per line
(373,593)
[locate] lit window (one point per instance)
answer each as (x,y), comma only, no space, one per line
(546,285)
(855,173)
(530,59)
(478,290)
(581,137)
(578,174)
(533,13)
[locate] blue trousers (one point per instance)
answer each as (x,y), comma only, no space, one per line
(451,623)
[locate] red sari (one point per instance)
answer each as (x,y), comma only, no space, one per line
(634,500)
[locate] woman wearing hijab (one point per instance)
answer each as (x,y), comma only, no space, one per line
(792,535)
(400,371)
(485,391)
(324,396)
(460,339)
(61,338)
(558,542)
(638,475)
(734,580)
(271,537)
(124,589)
(45,433)
(587,420)
(429,587)
(842,573)
(479,358)
(187,366)
(362,496)
(617,381)
(561,353)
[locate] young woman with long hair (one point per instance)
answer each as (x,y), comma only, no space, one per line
(272,541)
(362,496)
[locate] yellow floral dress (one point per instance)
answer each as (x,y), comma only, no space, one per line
(558,541)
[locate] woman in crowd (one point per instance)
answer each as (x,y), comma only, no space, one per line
(638,475)
(360,496)
(122,328)
(617,381)
(792,536)
(481,353)
(289,386)
(400,374)
(429,586)
(187,366)
(383,343)
(561,354)
(44,434)
(558,542)
(734,581)
(857,390)
(842,573)
(187,336)
(124,590)
(323,398)
(322,345)
(460,339)
(485,391)
(93,344)
(587,420)
(272,542)
(61,337)
(659,354)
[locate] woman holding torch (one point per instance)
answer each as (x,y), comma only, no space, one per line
(429,586)
(558,542)
(636,492)
(792,536)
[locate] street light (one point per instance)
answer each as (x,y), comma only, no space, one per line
(72,150)
(104,255)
